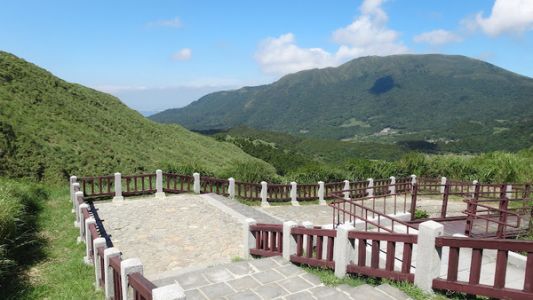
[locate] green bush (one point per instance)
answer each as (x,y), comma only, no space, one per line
(421,214)
(250,172)
(312,173)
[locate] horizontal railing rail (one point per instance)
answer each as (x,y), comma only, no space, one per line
(176,183)
(142,287)
(100,186)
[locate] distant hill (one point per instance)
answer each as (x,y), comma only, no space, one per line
(50,129)
(452,103)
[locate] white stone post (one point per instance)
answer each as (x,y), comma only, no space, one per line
(71,185)
(428,257)
(307,225)
(325,242)
(392,186)
(370,188)
(249,238)
(343,250)
(321,193)
(289,242)
(109,285)
(98,243)
(443,183)
(231,187)
(129,266)
(159,194)
(413,179)
(81,222)
(168,292)
(346,188)
(294,194)
(474,183)
(88,241)
(196,186)
(118,188)
(75,189)
(509,191)
(79,197)
(264,194)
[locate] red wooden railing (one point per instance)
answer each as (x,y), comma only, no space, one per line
(214,185)
(332,187)
(139,184)
(374,269)
(247,190)
(114,263)
(498,289)
(142,287)
(269,239)
(175,183)
(279,192)
(101,186)
(313,252)
(307,192)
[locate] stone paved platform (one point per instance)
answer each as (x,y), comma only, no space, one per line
(269,278)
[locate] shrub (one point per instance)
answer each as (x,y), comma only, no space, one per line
(421,214)
(250,171)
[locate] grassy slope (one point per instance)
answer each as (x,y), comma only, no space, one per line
(50,129)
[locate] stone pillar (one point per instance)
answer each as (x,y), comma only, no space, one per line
(413,179)
(196,185)
(71,185)
(474,184)
(98,243)
(392,186)
(346,188)
(231,187)
(370,188)
(118,188)
(129,266)
(249,238)
(443,183)
(81,222)
(264,194)
(169,292)
(108,272)
(79,198)
(325,242)
(321,193)
(289,242)
(159,194)
(428,257)
(307,225)
(294,194)
(509,191)
(343,250)
(88,241)
(75,188)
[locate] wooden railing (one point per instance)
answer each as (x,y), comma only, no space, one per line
(363,267)
(333,187)
(101,186)
(307,192)
(175,183)
(279,192)
(139,184)
(247,190)
(214,185)
(313,253)
(269,239)
(473,286)
(114,263)
(142,287)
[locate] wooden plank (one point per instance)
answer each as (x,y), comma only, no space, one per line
(481,290)
(453,263)
(475,266)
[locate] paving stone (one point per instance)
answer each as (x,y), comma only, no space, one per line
(300,296)
(295,284)
(194,295)
(218,274)
(290,270)
(392,291)
(268,276)
(240,268)
(324,292)
(244,295)
(311,278)
(280,260)
(217,290)
(192,280)
(263,264)
(363,292)
(243,283)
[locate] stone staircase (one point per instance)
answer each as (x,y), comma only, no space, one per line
(269,278)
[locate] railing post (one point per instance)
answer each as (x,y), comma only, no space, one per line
(81,223)
(98,243)
(414,195)
(474,184)
(88,241)
(75,188)
(249,237)
(472,210)
(509,190)
(442,184)
(392,186)
(289,242)
(196,186)
(343,250)
(428,257)
(346,188)
(129,266)
(413,179)
(231,187)
(321,192)
(109,284)
(307,225)
(71,185)
(159,194)
(445,196)
(118,188)
(79,199)
(264,194)
(169,292)
(294,194)
(504,202)
(370,188)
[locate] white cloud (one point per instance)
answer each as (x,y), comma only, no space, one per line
(437,37)
(174,23)
(507,16)
(183,54)
(366,35)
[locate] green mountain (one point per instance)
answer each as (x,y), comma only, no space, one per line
(50,129)
(450,103)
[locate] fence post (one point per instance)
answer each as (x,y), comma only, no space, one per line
(289,242)
(231,187)
(474,184)
(264,194)
(118,188)
(71,185)
(321,191)
(196,186)
(249,237)
(346,188)
(98,243)
(428,257)
(509,190)
(414,195)
(413,179)
(370,188)
(392,186)
(445,196)
(442,184)
(168,292)
(343,250)
(81,223)
(109,285)
(79,198)
(294,194)
(129,266)
(159,194)
(75,188)
(88,241)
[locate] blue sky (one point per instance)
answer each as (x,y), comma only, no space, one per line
(161,54)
